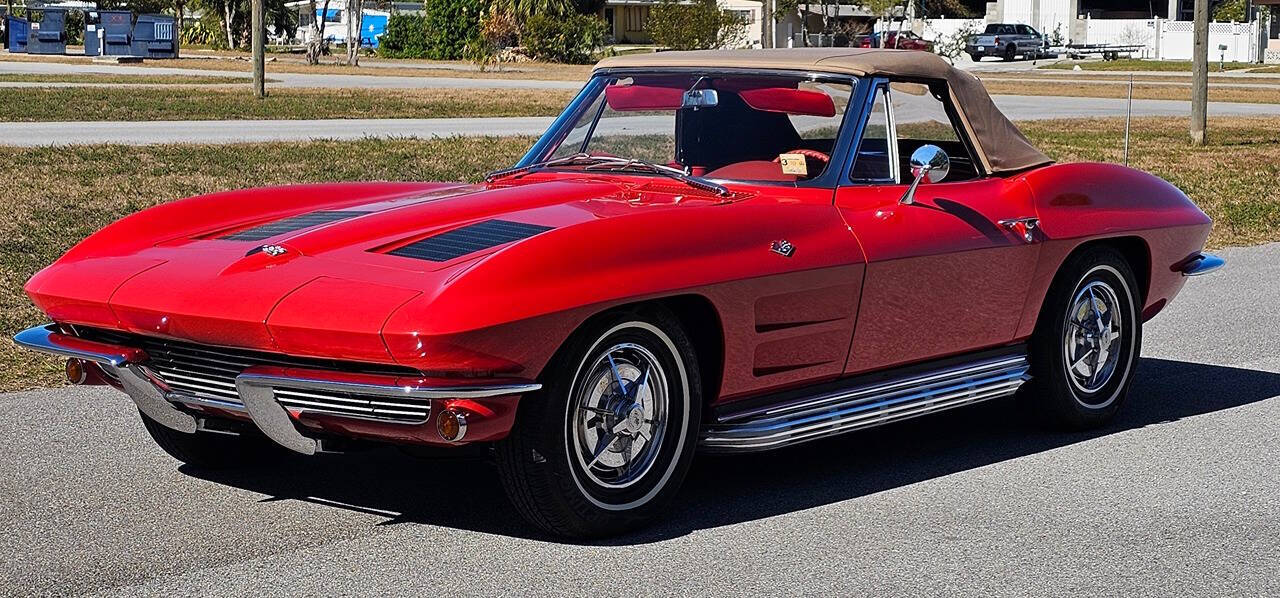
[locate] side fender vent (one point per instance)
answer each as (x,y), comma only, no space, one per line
(468,239)
(291,224)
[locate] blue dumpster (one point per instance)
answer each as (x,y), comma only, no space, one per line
(153,36)
(117,29)
(17,28)
(47,35)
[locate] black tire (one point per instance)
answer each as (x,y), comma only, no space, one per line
(543,463)
(210,450)
(1010,53)
(1092,288)
(976,56)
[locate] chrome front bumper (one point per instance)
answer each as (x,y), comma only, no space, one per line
(255,386)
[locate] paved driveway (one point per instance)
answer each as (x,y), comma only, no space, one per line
(1177,497)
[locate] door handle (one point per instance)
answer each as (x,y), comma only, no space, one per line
(1023,227)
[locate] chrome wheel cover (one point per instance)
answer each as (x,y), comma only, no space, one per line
(1092,340)
(619,416)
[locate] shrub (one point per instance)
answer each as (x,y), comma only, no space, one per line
(442,33)
(405,37)
(450,25)
(569,38)
(698,26)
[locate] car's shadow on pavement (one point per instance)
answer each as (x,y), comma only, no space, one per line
(465,493)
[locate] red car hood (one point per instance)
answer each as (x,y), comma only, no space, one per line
(212,283)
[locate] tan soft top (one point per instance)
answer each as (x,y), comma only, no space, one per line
(1001,146)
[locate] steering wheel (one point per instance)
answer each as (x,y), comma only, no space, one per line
(808,153)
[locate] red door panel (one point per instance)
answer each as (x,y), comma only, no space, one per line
(942,276)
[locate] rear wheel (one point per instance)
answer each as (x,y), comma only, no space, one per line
(607,443)
(1010,53)
(1087,341)
(976,56)
(211,450)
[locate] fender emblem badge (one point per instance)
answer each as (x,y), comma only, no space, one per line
(782,247)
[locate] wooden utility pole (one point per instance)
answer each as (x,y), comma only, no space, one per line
(1200,73)
(259,50)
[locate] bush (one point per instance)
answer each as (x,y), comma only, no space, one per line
(450,25)
(571,38)
(698,26)
(405,37)
(442,33)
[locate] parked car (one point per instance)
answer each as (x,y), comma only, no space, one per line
(1007,41)
(733,251)
(900,40)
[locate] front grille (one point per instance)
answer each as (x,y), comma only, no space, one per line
(209,372)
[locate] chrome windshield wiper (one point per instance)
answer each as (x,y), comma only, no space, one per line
(578,158)
(675,173)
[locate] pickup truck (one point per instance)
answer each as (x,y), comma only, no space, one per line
(1007,41)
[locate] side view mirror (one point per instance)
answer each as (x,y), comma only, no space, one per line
(927,162)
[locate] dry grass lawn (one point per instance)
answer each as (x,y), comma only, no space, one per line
(1218,92)
(40,104)
(57,195)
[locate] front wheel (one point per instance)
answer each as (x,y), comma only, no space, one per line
(1087,341)
(605,446)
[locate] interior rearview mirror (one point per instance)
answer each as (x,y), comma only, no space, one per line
(700,98)
(929,163)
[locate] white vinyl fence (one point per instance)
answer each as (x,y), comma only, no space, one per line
(1172,40)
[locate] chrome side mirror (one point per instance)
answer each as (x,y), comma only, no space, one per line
(927,162)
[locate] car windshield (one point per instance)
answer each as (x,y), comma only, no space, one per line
(717,126)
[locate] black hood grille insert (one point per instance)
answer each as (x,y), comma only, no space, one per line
(468,239)
(291,224)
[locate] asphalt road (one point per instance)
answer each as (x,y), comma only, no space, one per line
(244,131)
(1176,497)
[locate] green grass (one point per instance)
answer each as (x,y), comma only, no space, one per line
(1133,64)
(60,195)
(200,103)
(113,79)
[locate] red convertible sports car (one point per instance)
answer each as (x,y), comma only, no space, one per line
(728,251)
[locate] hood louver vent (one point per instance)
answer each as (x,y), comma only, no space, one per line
(468,239)
(288,225)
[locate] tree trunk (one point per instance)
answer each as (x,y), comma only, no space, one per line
(179,7)
(257,35)
(315,45)
(228,18)
(766,24)
(355,22)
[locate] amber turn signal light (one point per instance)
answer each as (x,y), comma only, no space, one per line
(452,425)
(76,371)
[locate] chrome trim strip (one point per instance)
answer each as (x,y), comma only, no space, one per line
(1202,264)
(152,399)
(324,381)
(862,407)
(46,339)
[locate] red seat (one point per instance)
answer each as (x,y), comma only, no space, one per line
(752,170)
